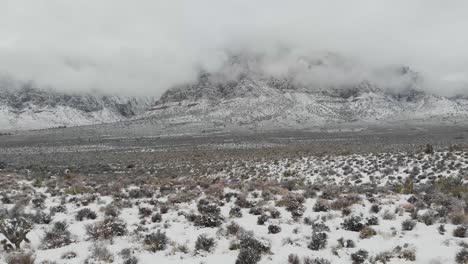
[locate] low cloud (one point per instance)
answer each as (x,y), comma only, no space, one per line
(144,47)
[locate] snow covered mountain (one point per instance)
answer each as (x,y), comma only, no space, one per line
(247,91)
(250,91)
(23,106)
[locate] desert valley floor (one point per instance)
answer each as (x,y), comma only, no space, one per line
(395,194)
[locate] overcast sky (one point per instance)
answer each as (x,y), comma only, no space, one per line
(143,47)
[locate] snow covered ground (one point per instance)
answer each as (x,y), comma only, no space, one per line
(309,210)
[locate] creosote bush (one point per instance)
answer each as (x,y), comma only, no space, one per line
(359,256)
(321,206)
(460,231)
(235,212)
(408,225)
(85,213)
(57,236)
(367,232)
(107,229)
(353,223)
(156,241)
(210,214)
(204,243)
(462,256)
(274,229)
(318,241)
(251,250)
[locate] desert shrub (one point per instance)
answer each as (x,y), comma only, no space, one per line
(451,185)
(207,220)
(458,219)
(41,217)
(308,260)
(321,206)
(290,184)
(145,211)
(210,214)
(359,256)
(251,250)
(20,258)
(388,215)
(408,225)
(204,243)
(345,201)
(274,213)
(330,194)
(383,257)
(233,228)
(156,241)
(248,256)
(262,219)
(256,210)
(58,209)
(248,241)
(107,229)
(460,231)
(242,202)
(126,254)
(372,221)
(15,226)
(85,213)
(319,226)
(38,202)
(293,259)
(293,204)
(164,209)
(6,199)
(348,243)
(156,218)
(375,208)
(428,218)
(140,193)
(274,229)
(57,236)
(405,252)
(353,223)
(111,211)
(367,232)
(309,193)
(318,241)
(235,211)
(87,199)
(99,253)
(462,256)
(131,260)
(429,149)
(346,211)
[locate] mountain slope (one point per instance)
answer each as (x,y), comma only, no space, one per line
(23,106)
(255,97)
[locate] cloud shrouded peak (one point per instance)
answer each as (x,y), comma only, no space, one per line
(147,46)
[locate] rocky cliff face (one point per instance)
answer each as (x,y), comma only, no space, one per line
(242,92)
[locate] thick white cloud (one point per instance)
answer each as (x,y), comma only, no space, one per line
(145,46)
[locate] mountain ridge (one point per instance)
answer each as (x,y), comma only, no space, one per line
(25,106)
